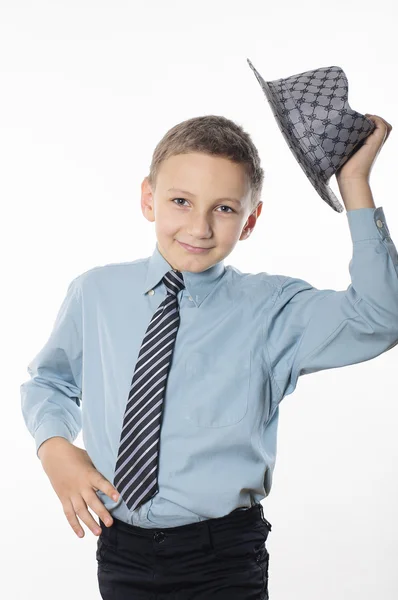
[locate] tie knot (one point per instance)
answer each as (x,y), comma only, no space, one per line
(174,282)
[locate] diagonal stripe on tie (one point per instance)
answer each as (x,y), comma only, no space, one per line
(137,462)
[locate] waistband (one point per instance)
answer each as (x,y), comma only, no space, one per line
(239,518)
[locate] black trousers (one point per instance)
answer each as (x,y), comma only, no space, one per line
(216,559)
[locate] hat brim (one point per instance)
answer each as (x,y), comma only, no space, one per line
(300,150)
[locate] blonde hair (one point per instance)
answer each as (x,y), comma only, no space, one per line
(214,135)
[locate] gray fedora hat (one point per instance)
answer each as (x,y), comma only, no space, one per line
(319,126)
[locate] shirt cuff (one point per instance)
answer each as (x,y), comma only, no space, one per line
(49,429)
(367,224)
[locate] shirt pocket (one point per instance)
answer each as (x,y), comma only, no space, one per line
(218,388)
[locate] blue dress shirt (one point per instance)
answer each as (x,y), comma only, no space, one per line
(243,341)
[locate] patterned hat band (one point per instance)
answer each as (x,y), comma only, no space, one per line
(319,126)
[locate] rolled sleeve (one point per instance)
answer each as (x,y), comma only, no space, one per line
(51,399)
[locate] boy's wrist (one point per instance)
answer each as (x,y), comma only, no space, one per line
(356,193)
(50,442)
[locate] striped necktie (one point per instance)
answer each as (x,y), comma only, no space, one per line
(137,462)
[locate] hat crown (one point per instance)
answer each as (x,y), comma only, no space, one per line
(317,122)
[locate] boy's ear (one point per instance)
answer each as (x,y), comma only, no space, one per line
(251,222)
(147,200)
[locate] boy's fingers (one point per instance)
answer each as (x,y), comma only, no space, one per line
(97,506)
(102,484)
(84,515)
(70,514)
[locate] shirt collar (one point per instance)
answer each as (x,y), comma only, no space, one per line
(198,285)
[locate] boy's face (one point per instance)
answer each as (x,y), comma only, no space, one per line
(200,218)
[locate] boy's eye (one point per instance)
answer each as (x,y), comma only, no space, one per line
(223,205)
(179,199)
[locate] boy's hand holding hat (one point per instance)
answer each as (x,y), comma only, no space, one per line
(360,164)
(326,136)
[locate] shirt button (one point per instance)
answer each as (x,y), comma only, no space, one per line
(151,292)
(379,223)
(190,298)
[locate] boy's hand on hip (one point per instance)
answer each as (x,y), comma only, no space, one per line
(75,481)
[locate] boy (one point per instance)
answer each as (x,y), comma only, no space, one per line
(187,519)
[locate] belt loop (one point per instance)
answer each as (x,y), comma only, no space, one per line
(263,518)
(205,535)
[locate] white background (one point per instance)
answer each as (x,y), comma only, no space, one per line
(87,89)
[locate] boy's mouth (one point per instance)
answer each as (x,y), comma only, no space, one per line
(193,249)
